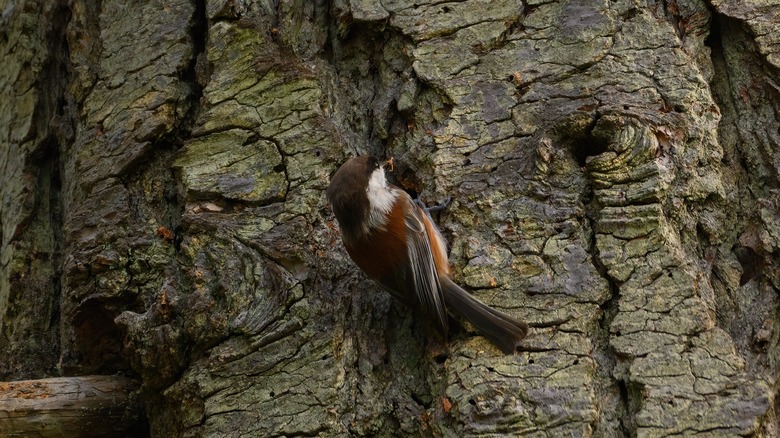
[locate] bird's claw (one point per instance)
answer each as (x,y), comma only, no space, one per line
(438,207)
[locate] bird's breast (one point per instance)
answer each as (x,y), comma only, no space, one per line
(380,251)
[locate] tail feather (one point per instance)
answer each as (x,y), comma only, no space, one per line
(503,330)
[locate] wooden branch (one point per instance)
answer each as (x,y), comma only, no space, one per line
(85,406)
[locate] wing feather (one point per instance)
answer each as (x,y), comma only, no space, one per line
(422,277)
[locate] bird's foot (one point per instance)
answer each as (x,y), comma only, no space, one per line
(438,207)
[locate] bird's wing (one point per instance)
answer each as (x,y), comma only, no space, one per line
(421,275)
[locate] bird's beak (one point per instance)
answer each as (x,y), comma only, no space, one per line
(389,163)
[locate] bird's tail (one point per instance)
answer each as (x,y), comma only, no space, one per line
(503,330)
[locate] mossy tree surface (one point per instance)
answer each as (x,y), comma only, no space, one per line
(615,174)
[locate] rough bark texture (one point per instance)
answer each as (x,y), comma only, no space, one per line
(615,170)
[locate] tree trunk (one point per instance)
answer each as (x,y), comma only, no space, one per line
(615,174)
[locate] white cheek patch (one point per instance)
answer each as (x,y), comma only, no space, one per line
(380,198)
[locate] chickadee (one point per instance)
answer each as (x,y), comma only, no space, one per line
(395,242)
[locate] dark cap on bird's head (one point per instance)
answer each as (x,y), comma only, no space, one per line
(347,192)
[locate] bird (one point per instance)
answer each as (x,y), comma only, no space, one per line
(394,241)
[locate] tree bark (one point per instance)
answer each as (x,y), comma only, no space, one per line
(615,173)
